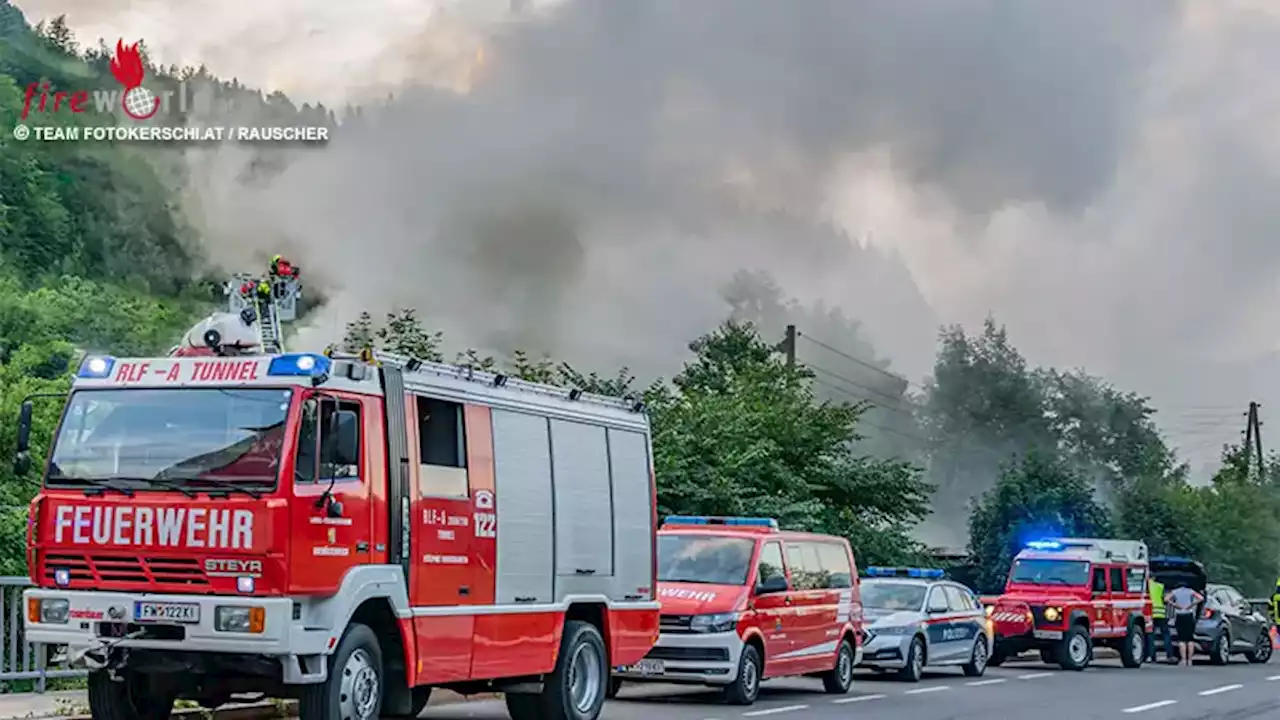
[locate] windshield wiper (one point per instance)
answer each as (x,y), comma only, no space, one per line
(101,485)
(227,486)
(172,485)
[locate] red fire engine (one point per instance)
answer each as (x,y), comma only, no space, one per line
(347,531)
(1065,596)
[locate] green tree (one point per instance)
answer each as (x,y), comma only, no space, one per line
(1040,496)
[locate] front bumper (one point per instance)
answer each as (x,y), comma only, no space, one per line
(886,651)
(98,619)
(709,658)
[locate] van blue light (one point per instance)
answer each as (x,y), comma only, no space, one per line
(711,520)
(96,366)
(1044,545)
(875,571)
(299,365)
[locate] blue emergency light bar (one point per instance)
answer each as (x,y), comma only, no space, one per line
(299,365)
(96,366)
(1045,545)
(713,520)
(904,572)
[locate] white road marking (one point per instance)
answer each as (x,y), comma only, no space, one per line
(935,688)
(980,683)
(1224,688)
(774,711)
(1150,706)
(1274,677)
(860,698)
(1033,676)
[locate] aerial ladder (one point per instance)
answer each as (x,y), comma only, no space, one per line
(257,308)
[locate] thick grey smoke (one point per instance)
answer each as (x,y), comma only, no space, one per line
(1101,175)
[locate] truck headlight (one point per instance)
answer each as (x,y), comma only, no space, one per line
(239,619)
(1052,614)
(51,611)
(714,623)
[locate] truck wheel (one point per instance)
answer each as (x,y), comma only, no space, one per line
(977,659)
(1074,650)
(1261,652)
(353,690)
(1134,649)
(1220,650)
(576,689)
(839,679)
(1048,656)
(914,669)
(130,699)
(746,686)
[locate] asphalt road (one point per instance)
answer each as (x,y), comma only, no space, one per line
(1024,690)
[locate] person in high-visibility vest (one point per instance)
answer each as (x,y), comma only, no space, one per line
(1160,620)
(1275,604)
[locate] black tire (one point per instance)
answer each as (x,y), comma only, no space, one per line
(1076,649)
(353,690)
(420,696)
(914,669)
(746,687)
(1220,649)
(615,684)
(977,658)
(583,645)
(998,655)
(839,679)
(1049,656)
(130,699)
(1134,648)
(1262,650)
(524,707)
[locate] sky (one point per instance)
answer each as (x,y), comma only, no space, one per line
(581,177)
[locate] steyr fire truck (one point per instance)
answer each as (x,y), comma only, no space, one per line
(1065,596)
(348,530)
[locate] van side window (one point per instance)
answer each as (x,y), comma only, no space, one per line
(1117,579)
(442,449)
(316,414)
(806,568)
(1099,579)
(835,564)
(770,564)
(1137,580)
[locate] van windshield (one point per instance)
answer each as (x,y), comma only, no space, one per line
(704,559)
(1050,572)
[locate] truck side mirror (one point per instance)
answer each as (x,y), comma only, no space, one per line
(344,434)
(22,459)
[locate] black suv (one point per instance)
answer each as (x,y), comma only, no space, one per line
(1226,624)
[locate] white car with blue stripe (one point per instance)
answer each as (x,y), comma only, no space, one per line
(915,618)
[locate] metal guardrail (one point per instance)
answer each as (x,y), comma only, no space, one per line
(21,660)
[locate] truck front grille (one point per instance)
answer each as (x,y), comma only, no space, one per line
(109,571)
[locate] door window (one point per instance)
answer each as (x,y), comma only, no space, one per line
(442,449)
(956,599)
(835,565)
(806,567)
(316,413)
(1137,580)
(1099,580)
(770,563)
(1117,579)
(938,601)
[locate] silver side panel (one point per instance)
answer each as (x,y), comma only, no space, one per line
(522,476)
(632,513)
(583,506)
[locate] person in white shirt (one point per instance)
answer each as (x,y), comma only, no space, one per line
(1183,603)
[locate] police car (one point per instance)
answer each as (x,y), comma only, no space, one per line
(916,618)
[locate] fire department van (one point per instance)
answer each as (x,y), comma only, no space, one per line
(347,531)
(1065,596)
(743,601)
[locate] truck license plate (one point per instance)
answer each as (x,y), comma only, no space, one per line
(167,612)
(1049,634)
(648,666)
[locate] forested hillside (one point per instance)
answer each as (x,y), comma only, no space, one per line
(98,254)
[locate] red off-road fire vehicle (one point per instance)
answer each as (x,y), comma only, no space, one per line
(1065,596)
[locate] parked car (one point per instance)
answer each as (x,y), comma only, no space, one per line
(1228,624)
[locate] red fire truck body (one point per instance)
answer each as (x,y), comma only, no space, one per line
(284,524)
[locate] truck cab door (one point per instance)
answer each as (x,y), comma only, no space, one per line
(333,469)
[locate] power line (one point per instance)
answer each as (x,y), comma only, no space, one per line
(893,376)
(837,376)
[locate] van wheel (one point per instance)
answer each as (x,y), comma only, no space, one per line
(130,699)
(1134,649)
(1220,650)
(746,686)
(914,669)
(1261,652)
(977,659)
(1075,649)
(353,690)
(839,679)
(615,684)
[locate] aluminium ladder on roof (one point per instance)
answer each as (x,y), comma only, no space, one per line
(266,305)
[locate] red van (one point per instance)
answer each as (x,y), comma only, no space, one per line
(744,601)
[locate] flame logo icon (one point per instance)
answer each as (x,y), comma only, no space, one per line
(136,101)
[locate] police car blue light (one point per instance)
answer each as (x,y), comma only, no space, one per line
(708,520)
(299,365)
(1044,545)
(96,366)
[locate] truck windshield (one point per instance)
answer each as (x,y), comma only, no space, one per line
(171,437)
(704,559)
(1050,572)
(879,595)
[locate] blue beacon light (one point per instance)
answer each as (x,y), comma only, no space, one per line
(96,366)
(1044,545)
(299,365)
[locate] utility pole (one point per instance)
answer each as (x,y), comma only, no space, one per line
(1253,437)
(789,346)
